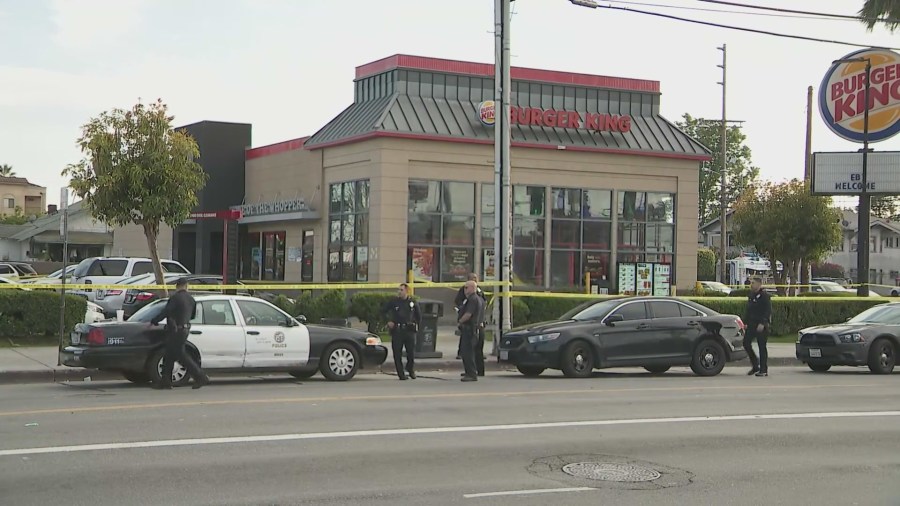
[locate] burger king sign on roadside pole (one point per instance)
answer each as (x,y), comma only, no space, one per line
(842,96)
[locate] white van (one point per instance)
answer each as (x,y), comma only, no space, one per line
(108,270)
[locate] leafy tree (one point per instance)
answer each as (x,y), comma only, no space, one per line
(873,10)
(7,170)
(138,169)
(706,264)
(785,223)
(827,270)
(740,173)
(884,207)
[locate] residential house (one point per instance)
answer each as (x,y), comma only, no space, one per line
(709,236)
(884,249)
(19,193)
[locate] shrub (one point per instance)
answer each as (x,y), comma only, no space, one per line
(284,304)
(35,313)
(825,294)
(706,264)
(368,307)
(521,313)
(541,309)
(332,304)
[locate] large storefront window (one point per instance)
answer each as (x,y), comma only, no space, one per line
(348,231)
(527,234)
(263,255)
(646,227)
(581,228)
(441,230)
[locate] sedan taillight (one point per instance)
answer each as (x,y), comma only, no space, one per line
(144,296)
(740,323)
(95,336)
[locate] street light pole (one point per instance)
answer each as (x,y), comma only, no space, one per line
(862,253)
(64,235)
(723,240)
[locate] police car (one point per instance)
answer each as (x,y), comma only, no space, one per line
(230,333)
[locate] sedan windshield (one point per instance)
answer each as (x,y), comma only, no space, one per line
(148,312)
(885,315)
(591,310)
(829,286)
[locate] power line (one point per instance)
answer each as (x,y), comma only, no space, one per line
(808,13)
(726,11)
(739,28)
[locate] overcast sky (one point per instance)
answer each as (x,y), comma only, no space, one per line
(287,66)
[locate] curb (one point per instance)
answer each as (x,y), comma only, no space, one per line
(61,375)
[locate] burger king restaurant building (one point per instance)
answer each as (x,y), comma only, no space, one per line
(402,180)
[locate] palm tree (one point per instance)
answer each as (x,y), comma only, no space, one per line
(873,10)
(7,170)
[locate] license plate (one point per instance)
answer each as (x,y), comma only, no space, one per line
(504,355)
(76,338)
(815,353)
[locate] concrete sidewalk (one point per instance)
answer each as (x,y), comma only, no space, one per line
(38,364)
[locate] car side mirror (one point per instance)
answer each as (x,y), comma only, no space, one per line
(612,319)
(302,319)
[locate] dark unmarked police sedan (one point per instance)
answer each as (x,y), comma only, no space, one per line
(870,338)
(655,333)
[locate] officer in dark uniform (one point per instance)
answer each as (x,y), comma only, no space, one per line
(178,313)
(458,304)
(758,319)
(404,319)
(470,320)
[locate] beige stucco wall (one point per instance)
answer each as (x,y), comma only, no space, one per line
(19,192)
(129,241)
(390,163)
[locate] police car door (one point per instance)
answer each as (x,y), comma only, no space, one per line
(270,341)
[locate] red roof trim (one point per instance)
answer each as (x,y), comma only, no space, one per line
(439,138)
(516,73)
(274,149)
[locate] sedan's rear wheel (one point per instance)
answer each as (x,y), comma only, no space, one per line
(819,367)
(657,369)
(577,360)
(340,362)
(180,376)
(882,356)
(530,371)
(709,358)
(139,378)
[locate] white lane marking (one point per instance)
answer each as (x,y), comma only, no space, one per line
(528,492)
(437,430)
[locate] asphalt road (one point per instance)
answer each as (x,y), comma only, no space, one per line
(793,438)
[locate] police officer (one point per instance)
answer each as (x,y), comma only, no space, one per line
(470,321)
(404,319)
(758,318)
(458,304)
(179,311)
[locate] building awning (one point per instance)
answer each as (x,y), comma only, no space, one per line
(75,238)
(267,218)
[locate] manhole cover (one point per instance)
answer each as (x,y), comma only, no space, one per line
(610,471)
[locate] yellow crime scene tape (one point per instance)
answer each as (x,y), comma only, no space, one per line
(249,286)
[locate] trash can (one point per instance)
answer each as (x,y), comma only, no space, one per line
(426,341)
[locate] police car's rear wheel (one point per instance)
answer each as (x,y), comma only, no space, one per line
(340,362)
(180,376)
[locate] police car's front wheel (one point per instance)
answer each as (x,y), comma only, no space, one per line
(340,362)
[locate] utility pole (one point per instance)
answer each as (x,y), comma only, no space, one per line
(502,189)
(64,235)
(723,242)
(806,269)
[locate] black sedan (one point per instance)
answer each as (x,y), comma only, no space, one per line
(655,333)
(870,338)
(230,333)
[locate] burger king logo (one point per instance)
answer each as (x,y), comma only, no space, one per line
(486,111)
(842,96)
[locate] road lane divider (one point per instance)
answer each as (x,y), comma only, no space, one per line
(168,443)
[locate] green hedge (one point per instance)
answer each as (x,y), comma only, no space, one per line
(368,308)
(790,314)
(36,313)
(330,304)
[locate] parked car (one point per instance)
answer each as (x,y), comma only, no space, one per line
(54,278)
(230,333)
(655,333)
(106,270)
(16,270)
(716,286)
(93,314)
(135,299)
(818,285)
(870,338)
(113,299)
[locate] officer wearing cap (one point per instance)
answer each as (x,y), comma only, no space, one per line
(404,320)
